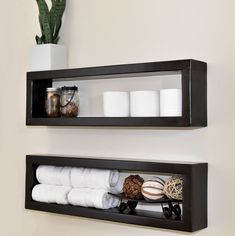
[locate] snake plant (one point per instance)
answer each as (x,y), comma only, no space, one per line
(50,21)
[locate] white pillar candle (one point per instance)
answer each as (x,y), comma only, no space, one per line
(116,104)
(144,103)
(171,102)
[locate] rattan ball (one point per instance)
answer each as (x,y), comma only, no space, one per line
(173,188)
(132,187)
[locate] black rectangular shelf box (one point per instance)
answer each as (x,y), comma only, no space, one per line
(194,94)
(194,194)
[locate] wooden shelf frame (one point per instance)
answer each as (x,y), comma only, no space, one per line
(193,83)
(194,195)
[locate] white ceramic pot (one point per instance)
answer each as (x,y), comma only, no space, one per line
(171,102)
(144,103)
(49,57)
(116,104)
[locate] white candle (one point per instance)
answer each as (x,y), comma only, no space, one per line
(171,102)
(116,104)
(144,103)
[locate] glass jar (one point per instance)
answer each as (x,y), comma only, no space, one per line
(69,101)
(52,103)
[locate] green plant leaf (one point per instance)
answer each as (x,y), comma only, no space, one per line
(56,13)
(55,41)
(44,19)
(38,39)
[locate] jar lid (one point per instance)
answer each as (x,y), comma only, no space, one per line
(53,89)
(66,88)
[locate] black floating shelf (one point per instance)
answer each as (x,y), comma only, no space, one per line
(194,203)
(193,83)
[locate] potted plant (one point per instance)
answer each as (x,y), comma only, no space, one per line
(48,55)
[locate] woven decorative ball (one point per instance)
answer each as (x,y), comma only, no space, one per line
(153,189)
(132,187)
(173,188)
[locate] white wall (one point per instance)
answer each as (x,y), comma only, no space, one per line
(112,32)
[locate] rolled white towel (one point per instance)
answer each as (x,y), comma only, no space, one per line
(119,186)
(77,177)
(51,193)
(54,175)
(65,176)
(97,198)
(94,178)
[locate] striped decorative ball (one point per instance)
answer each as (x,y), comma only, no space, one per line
(153,189)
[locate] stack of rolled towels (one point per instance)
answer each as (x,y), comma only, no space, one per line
(77,186)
